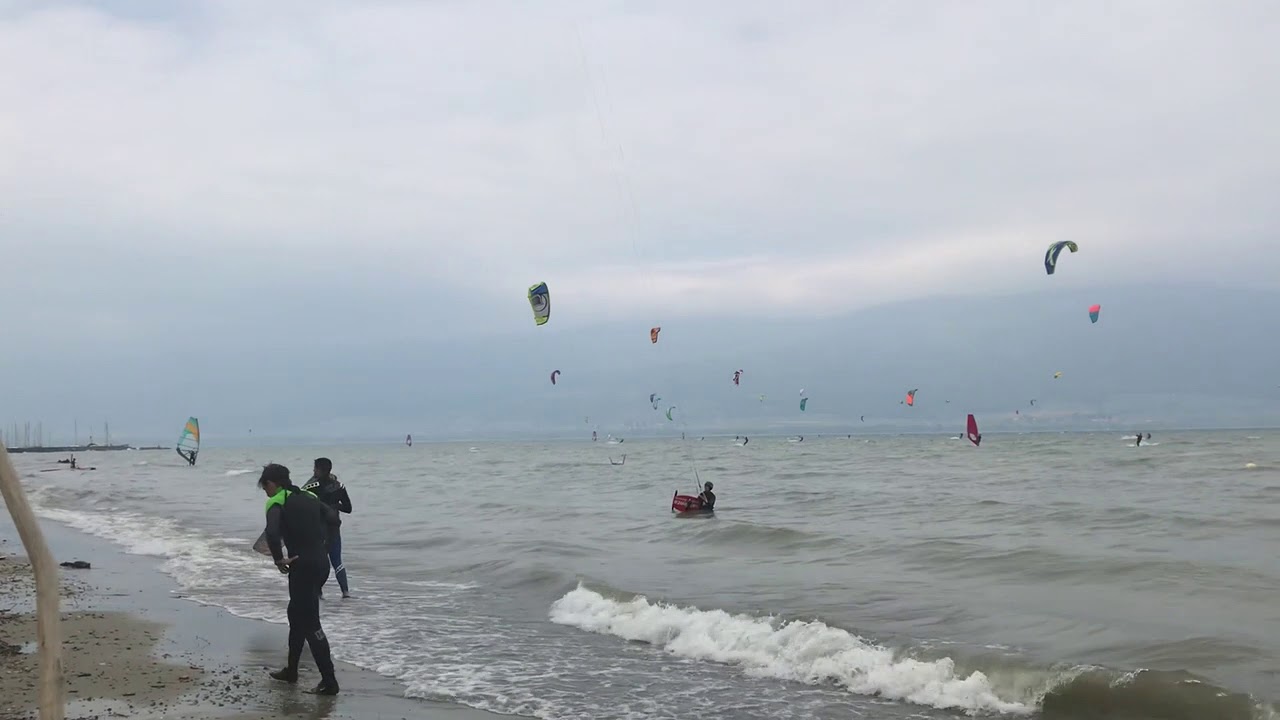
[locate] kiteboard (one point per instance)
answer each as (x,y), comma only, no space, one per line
(261,544)
(687,505)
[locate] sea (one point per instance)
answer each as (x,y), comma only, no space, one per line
(1056,576)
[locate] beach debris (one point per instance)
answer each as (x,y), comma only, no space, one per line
(76,564)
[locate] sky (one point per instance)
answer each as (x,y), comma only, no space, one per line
(271,213)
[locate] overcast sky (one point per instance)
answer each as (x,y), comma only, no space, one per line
(245,178)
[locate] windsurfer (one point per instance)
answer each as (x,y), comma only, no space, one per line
(707,497)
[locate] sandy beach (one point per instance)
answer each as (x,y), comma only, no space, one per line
(133,647)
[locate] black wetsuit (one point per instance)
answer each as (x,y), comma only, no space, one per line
(334,494)
(708,499)
(302,522)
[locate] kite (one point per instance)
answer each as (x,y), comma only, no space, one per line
(540,301)
(1051,255)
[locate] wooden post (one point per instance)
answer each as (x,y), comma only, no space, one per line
(48,632)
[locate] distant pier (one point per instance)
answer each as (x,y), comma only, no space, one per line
(72,448)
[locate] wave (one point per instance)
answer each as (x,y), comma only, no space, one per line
(808,652)
(740,533)
(1160,695)
(234,473)
(814,653)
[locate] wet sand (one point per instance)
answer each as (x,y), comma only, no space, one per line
(132,647)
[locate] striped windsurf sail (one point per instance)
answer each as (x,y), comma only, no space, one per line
(189,441)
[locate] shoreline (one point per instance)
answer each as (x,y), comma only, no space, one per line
(135,647)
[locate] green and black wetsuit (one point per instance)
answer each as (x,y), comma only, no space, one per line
(301,522)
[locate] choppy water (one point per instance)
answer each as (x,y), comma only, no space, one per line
(1061,576)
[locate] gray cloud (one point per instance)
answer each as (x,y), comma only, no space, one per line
(377,170)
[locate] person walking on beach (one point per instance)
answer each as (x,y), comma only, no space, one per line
(302,522)
(324,484)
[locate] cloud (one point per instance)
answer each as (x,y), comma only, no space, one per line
(288,170)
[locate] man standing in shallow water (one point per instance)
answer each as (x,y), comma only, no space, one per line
(325,486)
(297,518)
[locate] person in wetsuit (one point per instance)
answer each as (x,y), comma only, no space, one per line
(325,486)
(707,497)
(296,518)
(1138,442)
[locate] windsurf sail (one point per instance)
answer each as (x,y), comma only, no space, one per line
(975,437)
(1094,311)
(540,301)
(189,441)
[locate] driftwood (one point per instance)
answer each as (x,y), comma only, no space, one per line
(48,632)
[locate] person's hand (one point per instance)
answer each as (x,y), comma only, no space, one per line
(283,565)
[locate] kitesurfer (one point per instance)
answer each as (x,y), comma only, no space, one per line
(296,518)
(73,462)
(324,484)
(1137,442)
(707,497)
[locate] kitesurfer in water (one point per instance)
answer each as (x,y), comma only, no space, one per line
(301,522)
(325,486)
(707,497)
(1138,441)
